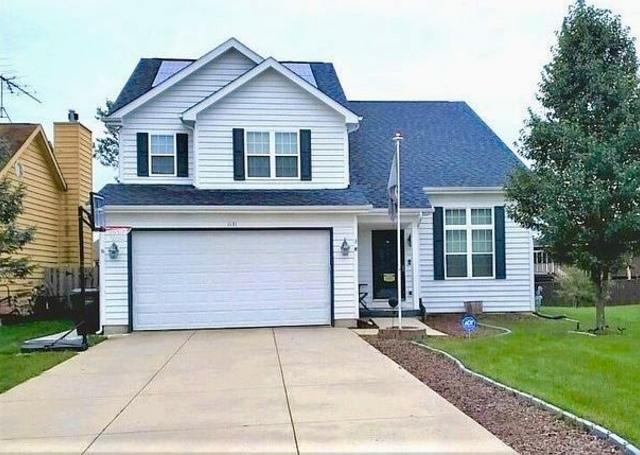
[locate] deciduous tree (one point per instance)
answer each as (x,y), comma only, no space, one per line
(105,149)
(582,193)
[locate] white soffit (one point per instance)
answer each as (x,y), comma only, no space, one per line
(304,71)
(168,68)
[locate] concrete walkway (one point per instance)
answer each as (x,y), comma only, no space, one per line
(298,390)
(386,323)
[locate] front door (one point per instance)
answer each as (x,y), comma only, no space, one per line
(385,254)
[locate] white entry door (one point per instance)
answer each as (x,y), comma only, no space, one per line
(245,278)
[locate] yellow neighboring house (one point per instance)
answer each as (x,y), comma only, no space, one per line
(57,180)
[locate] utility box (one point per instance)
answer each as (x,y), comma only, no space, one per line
(86,315)
(473,307)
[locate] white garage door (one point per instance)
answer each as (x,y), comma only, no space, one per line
(209,279)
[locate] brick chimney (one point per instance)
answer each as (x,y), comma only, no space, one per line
(73,150)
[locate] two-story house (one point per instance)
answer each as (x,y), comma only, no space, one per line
(253,193)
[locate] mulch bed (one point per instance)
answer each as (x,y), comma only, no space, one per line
(523,426)
(450,324)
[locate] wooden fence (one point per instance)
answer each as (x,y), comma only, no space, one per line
(60,281)
(621,292)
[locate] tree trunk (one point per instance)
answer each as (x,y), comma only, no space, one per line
(600,278)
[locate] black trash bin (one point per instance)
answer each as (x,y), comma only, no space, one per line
(86,315)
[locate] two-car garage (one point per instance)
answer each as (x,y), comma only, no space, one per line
(183,279)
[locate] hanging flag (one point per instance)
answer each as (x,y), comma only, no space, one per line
(392,189)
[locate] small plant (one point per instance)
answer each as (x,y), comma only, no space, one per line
(575,288)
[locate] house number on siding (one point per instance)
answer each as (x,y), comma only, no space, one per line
(232,224)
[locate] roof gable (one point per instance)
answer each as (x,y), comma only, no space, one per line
(12,137)
(15,139)
(140,87)
(270,63)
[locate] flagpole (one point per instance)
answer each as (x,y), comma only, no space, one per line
(397,139)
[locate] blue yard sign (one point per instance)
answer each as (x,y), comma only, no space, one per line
(469,323)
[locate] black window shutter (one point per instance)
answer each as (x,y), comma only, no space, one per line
(438,244)
(501,268)
(305,154)
(142,140)
(182,144)
(238,154)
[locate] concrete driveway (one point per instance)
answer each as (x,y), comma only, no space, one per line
(297,390)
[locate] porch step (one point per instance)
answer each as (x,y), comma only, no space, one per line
(384,323)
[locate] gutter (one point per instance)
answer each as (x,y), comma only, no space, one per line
(236,209)
(463,189)
(403,211)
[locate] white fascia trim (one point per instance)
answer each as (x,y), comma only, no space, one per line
(463,189)
(235,209)
(270,63)
(231,43)
(403,211)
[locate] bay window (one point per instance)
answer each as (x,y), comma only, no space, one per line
(469,240)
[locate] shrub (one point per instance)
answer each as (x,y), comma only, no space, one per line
(575,288)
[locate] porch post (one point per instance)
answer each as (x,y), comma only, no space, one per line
(415,262)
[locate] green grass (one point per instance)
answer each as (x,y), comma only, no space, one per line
(597,378)
(16,367)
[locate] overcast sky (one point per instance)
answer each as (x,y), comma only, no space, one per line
(76,54)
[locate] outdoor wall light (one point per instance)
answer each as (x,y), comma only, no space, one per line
(409,240)
(345,247)
(113,251)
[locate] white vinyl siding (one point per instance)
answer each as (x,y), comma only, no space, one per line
(271,102)
(162,113)
(114,273)
(515,293)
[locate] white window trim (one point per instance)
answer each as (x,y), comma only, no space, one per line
(468,227)
(175,154)
(272,154)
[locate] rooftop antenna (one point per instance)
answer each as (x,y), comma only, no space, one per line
(7,83)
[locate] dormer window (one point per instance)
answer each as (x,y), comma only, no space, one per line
(162,154)
(272,154)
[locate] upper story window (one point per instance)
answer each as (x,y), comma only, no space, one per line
(469,243)
(272,154)
(286,154)
(162,154)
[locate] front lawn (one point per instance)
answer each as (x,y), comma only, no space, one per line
(16,367)
(593,377)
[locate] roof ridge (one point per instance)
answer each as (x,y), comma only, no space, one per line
(171,59)
(310,62)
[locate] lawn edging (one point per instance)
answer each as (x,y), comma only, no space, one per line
(592,427)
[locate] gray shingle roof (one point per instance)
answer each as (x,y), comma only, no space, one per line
(12,137)
(141,81)
(152,194)
(445,144)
